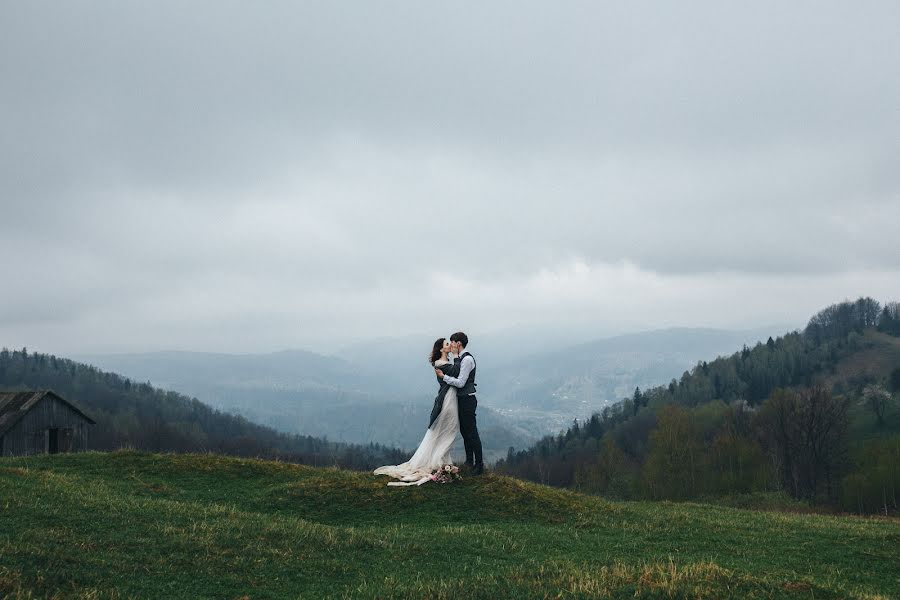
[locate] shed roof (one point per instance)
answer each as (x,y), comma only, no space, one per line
(15,405)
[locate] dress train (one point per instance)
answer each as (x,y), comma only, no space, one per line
(434,450)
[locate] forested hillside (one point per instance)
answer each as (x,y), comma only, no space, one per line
(554,387)
(140,416)
(811,414)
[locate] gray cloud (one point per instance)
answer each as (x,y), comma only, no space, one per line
(220,176)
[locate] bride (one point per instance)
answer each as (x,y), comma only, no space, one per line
(434,450)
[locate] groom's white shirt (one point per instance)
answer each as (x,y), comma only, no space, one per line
(465,368)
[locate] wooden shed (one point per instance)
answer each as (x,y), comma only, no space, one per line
(41,422)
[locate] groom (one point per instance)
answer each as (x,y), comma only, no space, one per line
(466,400)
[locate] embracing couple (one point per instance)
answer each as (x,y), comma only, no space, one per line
(454,411)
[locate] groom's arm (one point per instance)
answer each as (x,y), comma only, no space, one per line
(465,368)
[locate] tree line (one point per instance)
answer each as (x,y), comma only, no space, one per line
(140,416)
(772,418)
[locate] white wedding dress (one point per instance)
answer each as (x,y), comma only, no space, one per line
(434,450)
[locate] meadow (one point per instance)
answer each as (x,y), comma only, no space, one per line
(138,525)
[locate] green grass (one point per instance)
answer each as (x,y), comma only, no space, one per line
(878,355)
(128,524)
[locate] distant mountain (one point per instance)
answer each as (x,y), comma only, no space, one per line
(302,392)
(381,390)
(403,358)
(575,382)
(286,370)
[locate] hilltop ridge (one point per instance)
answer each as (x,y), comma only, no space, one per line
(126,524)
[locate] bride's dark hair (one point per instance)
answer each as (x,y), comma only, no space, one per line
(436,351)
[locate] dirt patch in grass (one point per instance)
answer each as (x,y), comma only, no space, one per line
(13,471)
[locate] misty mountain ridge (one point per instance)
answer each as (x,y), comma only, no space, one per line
(381,391)
(575,382)
(297,391)
(287,369)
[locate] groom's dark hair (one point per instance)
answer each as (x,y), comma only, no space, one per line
(460,337)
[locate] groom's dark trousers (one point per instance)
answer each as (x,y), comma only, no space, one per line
(469,429)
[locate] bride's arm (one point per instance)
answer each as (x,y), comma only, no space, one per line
(450,369)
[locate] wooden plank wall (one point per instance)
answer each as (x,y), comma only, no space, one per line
(31,434)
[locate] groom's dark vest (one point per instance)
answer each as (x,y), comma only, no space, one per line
(469,388)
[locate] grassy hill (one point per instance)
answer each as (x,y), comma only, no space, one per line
(127,524)
(877,355)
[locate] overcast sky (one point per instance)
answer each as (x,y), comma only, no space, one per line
(236,176)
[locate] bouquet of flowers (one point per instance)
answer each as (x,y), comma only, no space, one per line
(446,474)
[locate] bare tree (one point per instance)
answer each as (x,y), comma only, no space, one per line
(806,434)
(878,399)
